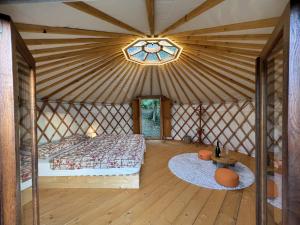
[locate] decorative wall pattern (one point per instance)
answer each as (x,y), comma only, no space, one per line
(233,124)
(185,121)
(57,120)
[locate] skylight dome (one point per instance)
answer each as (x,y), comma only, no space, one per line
(152,51)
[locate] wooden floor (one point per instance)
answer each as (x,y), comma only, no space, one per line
(162,199)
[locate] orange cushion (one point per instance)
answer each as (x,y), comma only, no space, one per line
(227,177)
(272,190)
(205,154)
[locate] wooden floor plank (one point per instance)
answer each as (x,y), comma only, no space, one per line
(190,213)
(162,199)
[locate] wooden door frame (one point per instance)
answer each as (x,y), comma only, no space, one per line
(161,118)
(10,43)
(288,29)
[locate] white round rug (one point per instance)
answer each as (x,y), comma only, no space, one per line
(276,202)
(190,168)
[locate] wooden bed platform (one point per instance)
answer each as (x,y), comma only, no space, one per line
(120,182)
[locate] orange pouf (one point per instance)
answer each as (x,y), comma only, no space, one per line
(227,177)
(205,154)
(272,190)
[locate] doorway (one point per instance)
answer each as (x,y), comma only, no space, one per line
(150,118)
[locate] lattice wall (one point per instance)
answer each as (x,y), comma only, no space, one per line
(185,121)
(233,124)
(58,120)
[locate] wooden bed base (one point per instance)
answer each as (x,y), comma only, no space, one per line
(123,182)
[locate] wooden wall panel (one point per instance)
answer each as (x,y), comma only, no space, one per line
(136,116)
(166,108)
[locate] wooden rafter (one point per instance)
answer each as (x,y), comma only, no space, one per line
(178,83)
(71,47)
(201,77)
(103,79)
(174,88)
(143,81)
(116,81)
(158,81)
(127,95)
(138,89)
(76,81)
(216,75)
(123,89)
(223,44)
(246,52)
(161,74)
(54,41)
(64,65)
(228,58)
(208,4)
(255,24)
(89,62)
(46,65)
(73,53)
(196,84)
(229,37)
(220,65)
(79,75)
(86,83)
(178,73)
(83,7)
(212,70)
(33,28)
(151,15)
(187,65)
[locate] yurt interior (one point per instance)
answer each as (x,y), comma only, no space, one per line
(150,112)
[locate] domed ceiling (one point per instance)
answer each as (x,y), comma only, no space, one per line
(79,47)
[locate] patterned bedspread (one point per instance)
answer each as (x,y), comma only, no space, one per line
(51,149)
(105,151)
(25,167)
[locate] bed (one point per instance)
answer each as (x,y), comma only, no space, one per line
(25,176)
(106,161)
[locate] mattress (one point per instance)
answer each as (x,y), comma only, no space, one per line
(53,149)
(25,167)
(103,152)
(45,170)
(26,184)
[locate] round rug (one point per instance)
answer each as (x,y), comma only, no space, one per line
(276,202)
(190,168)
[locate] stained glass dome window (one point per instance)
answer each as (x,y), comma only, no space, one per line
(152,51)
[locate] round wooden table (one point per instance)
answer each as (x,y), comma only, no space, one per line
(224,161)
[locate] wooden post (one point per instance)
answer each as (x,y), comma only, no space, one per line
(291,128)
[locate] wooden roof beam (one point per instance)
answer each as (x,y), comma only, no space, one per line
(70,48)
(55,41)
(151,15)
(73,53)
(229,37)
(33,28)
(255,24)
(200,75)
(225,80)
(96,76)
(83,7)
(208,4)
(116,68)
